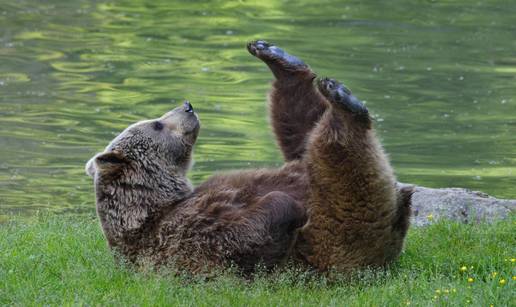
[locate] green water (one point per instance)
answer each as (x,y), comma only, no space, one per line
(439,77)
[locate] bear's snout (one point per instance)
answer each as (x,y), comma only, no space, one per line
(187,106)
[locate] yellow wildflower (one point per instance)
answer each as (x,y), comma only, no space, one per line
(494,274)
(446,291)
(513,260)
(454,290)
(470,280)
(463,268)
(502,282)
(514,278)
(430,217)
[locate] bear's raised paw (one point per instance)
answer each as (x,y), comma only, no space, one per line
(275,57)
(338,94)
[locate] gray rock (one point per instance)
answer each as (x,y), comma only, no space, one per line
(430,205)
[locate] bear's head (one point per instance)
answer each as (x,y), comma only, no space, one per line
(150,146)
(144,168)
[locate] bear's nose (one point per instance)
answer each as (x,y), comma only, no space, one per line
(187,106)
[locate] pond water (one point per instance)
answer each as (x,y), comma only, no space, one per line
(439,76)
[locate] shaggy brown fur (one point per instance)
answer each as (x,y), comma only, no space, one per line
(335,168)
(357,217)
(150,213)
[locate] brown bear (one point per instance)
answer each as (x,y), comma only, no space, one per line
(335,175)
(150,212)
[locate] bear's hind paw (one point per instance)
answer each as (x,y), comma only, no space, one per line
(340,95)
(275,56)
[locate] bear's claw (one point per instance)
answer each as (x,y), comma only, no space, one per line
(273,55)
(256,46)
(337,93)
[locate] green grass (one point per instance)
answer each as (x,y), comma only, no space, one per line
(63,260)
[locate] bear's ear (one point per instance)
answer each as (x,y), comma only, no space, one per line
(105,162)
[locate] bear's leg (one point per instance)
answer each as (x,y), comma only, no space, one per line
(295,104)
(280,216)
(353,201)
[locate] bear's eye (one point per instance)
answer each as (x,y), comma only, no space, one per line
(158,126)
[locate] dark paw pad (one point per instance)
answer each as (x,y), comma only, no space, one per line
(337,93)
(274,55)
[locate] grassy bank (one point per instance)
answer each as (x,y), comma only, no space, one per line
(64,260)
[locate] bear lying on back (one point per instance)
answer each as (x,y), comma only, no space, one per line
(333,204)
(150,212)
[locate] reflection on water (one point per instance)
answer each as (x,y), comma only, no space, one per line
(439,77)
